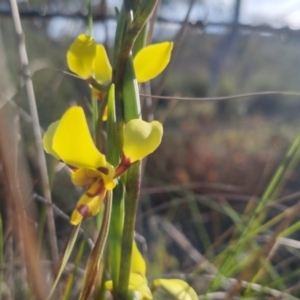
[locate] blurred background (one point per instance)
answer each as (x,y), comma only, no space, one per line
(215,154)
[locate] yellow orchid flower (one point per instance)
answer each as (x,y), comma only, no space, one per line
(87,59)
(138,283)
(70,141)
(137,279)
(177,288)
(140,139)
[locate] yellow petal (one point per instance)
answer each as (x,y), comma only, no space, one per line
(48,139)
(140,284)
(85,176)
(138,264)
(136,283)
(76,217)
(102,67)
(109,182)
(81,56)
(152,60)
(73,143)
(109,285)
(178,288)
(90,202)
(141,138)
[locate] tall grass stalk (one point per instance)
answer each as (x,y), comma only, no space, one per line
(26,77)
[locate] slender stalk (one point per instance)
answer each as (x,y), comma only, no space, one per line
(64,258)
(90,17)
(93,264)
(127,90)
(131,202)
(71,279)
(143,12)
(94,103)
(115,234)
(117,214)
(36,128)
(224,98)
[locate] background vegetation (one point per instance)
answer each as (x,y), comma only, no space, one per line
(216,159)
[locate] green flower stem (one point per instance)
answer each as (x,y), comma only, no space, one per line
(115,234)
(90,17)
(129,108)
(117,215)
(131,201)
(120,34)
(131,97)
(93,99)
(119,38)
(131,104)
(140,40)
(142,14)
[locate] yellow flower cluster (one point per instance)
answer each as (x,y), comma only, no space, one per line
(70,141)
(88,59)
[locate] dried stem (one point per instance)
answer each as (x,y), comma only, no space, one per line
(16,191)
(222,98)
(36,127)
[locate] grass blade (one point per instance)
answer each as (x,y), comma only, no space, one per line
(65,257)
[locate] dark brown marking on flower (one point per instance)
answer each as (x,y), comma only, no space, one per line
(84,211)
(126,161)
(98,191)
(103,170)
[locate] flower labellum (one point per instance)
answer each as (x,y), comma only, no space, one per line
(141,138)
